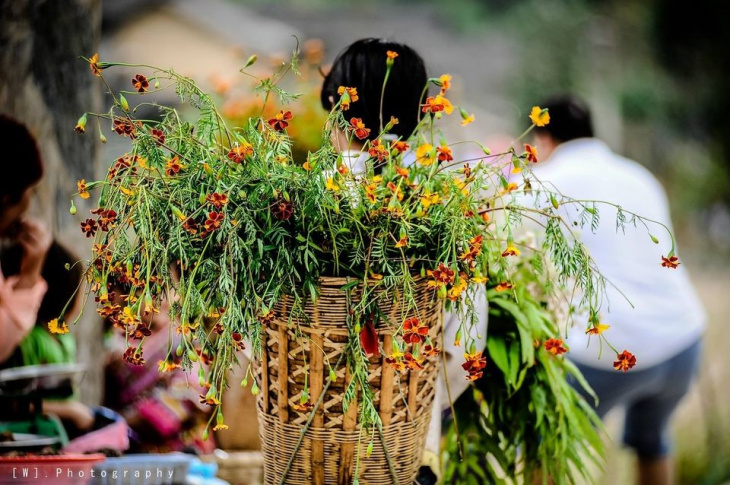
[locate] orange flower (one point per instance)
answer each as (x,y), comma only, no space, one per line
(190,225)
(237,340)
(413,331)
(458,288)
(510,251)
(399,146)
(348,95)
(88,227)
(358,126)
(413,363)
(403,242)
(217,199)
(140,83)
(430,350)
(670,262)
(474,365)
(94,65)
(133,355)
(402,171)
(475,249)
(370,190)
(395,362)
(167,366)
(555,346)
(173,166)
(282,209)
(437,104)
(391,54)
(445,80)
(531,153)
(209,399)
(377,150)
(396,191)
(57,327)
(158,136)
(239,152)
(81,186)
(624,361)
(539,117)
(214,221)
(598,329)
(281,120)
(504,286)
(442,275)
(444,153)
(303,407)
(124,127)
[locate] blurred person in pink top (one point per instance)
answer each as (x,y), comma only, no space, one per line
(21,294)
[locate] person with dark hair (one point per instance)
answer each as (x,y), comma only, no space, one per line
(663,323)
(362,66)
(20,295)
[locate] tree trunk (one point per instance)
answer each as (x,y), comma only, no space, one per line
(44,84)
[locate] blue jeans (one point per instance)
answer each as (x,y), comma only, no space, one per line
(650,397)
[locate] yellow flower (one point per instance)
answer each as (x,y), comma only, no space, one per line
(445,80)
(219,427)
(539,116)
(307,166)
(511,187)
(510,251)
(56,327)
(428,199)
(598,329)
(81,186)
(425,155)
(332,185)
(467,119)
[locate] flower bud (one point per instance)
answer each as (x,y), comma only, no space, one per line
(72,210)
(250,61)
(255,389)
(81,125)
(123,102)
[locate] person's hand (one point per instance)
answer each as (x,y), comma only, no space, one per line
(78,414)
(35,240)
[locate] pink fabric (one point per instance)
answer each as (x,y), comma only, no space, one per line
(18,312)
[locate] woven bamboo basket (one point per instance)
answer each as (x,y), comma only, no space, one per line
(330,445)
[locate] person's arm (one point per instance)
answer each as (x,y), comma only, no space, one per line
(18,313)
(21,295)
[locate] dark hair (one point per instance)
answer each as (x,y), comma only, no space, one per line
(62,282)
(26,168)
(570,118)
(362,65)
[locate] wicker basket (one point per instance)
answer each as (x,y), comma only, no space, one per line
(328,451)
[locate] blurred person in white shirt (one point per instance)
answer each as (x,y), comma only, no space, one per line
(660,320)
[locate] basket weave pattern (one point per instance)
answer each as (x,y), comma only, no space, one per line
(330,446)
